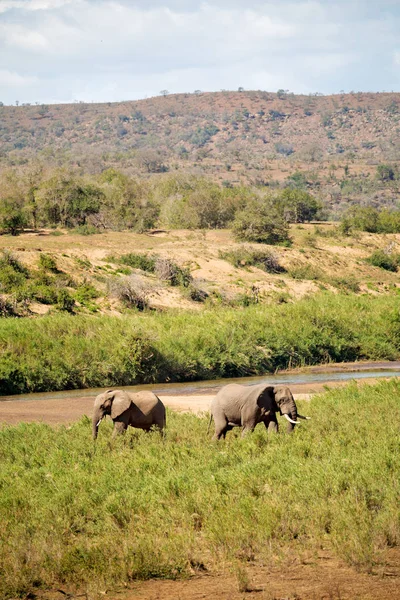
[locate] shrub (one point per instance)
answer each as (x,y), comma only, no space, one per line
(389,262)
(195,293)
(246,256)
(7,309)
(86,230)
(85,293)
(168,271)
(131,291)
(136,261)
(305,271)
(285,149)
(261,221)
(47,262)
(65,301)
(12,273)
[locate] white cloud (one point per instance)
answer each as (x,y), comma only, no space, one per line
(10,78)
(7,5)
(118,49)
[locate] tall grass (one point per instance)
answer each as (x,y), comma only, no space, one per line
(76,514)
(67,352)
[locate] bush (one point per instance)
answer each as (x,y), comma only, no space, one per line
(7,309)
(168,271)
(136,261)
(371,219)
(261,221)
(85,293)
(12,273)
(305,271)
(65,301)
(389,262)
(195,293)
(47,262)
(131,291)
(246,256)
(86,230)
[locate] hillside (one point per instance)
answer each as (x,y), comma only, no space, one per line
(224,131)
(214,270)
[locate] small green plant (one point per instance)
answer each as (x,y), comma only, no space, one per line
(305,271)
(86,230)
(136,261)
(384,260)
(85,294)
(65,301)
(246,256)
(47,263)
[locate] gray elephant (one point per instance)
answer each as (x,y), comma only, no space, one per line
(246,405)
(140,409)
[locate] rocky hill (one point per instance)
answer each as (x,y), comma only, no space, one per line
(230,135)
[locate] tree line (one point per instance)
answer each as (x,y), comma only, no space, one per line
(114,200)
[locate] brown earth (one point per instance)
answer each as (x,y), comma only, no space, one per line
(312,263)
(321,577)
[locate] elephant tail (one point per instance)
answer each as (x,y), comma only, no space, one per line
(209,423)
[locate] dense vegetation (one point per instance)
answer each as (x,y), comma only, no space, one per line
(81,517)
(65,352)
(343,149)
(116,201)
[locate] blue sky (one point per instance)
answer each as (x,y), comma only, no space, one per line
(110,50)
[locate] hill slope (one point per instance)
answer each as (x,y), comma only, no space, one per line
(225,129)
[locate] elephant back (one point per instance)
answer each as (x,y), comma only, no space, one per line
(146,402)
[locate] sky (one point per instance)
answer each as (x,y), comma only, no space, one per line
(111,50)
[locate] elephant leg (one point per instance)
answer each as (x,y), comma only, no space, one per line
(221,425)
(248,427)
(271,424)
(119,427)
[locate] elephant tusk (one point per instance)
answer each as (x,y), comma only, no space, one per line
(98,422)
(301,417)
(290,420)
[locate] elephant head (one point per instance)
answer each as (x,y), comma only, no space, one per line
(112,403)
(287,406)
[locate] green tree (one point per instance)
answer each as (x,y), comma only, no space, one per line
(128,202)
(298,206)
(363,218)
(261,221)
(13,215)
(68,201)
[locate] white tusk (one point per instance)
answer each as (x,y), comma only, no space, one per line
(98,422)
(290,420)
(301,417)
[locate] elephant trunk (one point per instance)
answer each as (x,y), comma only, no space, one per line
(97,417)
(292,416)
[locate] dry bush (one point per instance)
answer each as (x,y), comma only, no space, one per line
(167,270)
(131,291)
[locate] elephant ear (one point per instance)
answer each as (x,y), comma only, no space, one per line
(120,404)
(262,393)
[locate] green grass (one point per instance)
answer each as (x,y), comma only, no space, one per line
(75,514)
(66,352)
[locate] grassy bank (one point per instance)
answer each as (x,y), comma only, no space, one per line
(66,352)
(77,516)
